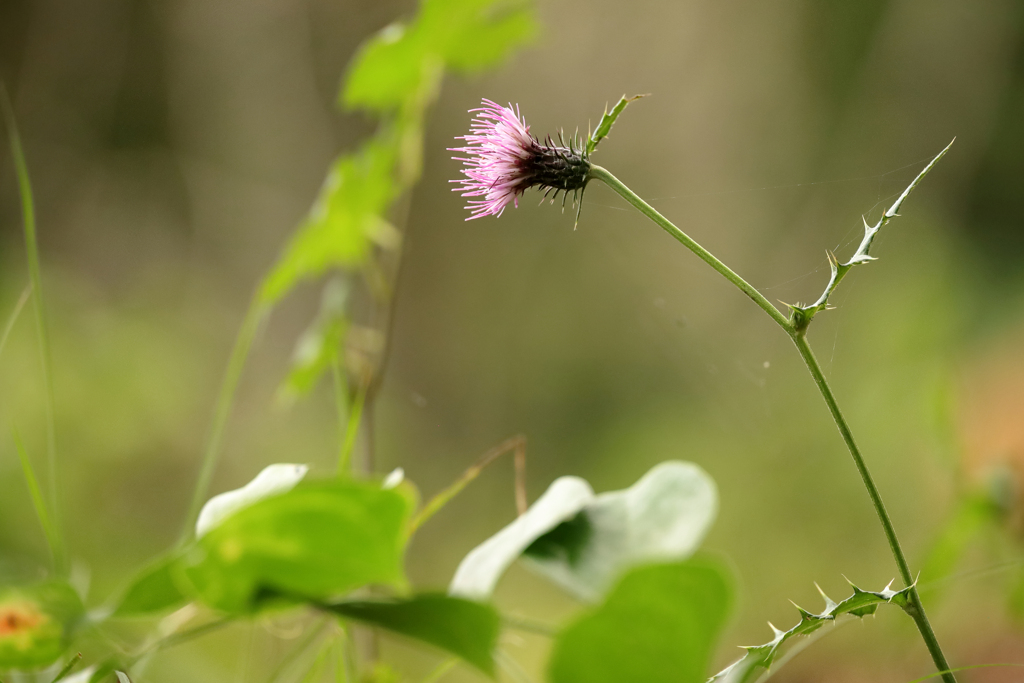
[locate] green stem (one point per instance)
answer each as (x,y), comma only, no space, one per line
(32,253)
(916,608)
(225,400)
(646,209)
(355,417)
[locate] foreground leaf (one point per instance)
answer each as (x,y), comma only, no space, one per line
(36,623)
(316,541)
(658,625)
(478,573)
(662,517)
(585,542)
(462,627)
(272,480)
(760,657)
(153,590)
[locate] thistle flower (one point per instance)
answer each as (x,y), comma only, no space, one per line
(505,161)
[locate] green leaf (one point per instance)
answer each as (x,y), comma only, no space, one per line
(153,590)
(585,542)
(36,623)
(479,572)
(344,221)
(472,35)
(272,480)
(401,61)
(321,344)
(758,658)
(462,627)
(388,69)
(317,541)
(604,126)
(663,517)
(658,625)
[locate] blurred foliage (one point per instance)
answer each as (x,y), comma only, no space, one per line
(172,145)
(659,624)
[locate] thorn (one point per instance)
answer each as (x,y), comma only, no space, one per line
(579,208)
(833,262)
(777,632)
(830,604)
(804,614)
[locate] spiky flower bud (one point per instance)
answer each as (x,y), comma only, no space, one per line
(505,161)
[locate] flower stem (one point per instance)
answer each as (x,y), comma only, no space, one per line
(916,608)
(646,209)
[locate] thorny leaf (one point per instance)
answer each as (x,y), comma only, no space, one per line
(802,315)
(860,604)
(604,126)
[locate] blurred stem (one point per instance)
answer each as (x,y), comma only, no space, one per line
(355,416)
(37,499)
(13,318)
(515,445)
(915,609)
(225,400)
(28,212)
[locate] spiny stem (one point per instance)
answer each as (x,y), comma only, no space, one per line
(225,400)
(916,608)
(32,253)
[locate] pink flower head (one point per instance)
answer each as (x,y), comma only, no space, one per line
(505,160)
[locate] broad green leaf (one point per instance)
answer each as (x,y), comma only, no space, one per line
(36,623)
(319,346)
(663,517)
(317,541)
(344,221)
(604,126)
(476,34)
(153,590)
(271,481)
(397,65)
(479,572)
(759,658)
(585,542)
(388,69)
(658,625)
(462,627)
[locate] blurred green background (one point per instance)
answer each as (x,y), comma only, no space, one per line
(175,145)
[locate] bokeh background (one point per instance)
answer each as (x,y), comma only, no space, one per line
(174,146)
